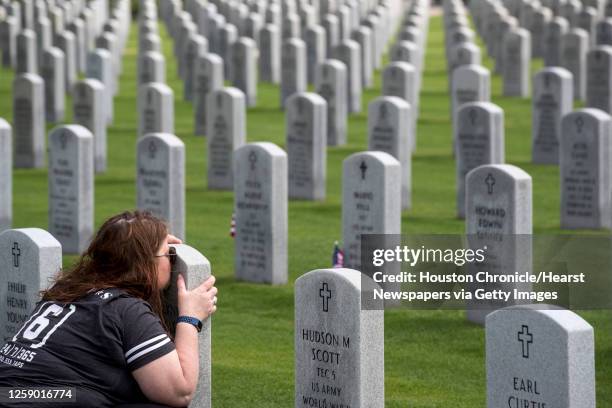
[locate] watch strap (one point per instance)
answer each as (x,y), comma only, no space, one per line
(197,323)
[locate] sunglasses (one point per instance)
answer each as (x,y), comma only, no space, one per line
(171,255)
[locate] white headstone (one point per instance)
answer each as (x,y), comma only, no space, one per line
(52,72)
(270,57)
(27,54)
(71,187)
(244,68)
(225,132)
(371,200)
(479,139)
(400,79)
(389,130)
(306,144)
(538,357)
(160,179)
(6,175)
(155,109)
(330,83)
(195,269)
(208,78)
(575,48)
(151,68)
(293,69)
(471,83)
(315,38)
(29,121)
(66,43)
(100,67)
(516,65)
(260,206)
(599,78)
(88,111)
(552,99)
(29,258)
(339,347)
(585,169)
(498,219)
(349,53)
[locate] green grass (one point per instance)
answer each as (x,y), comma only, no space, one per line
(432,358)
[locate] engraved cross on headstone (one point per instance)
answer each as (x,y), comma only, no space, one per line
(473,116)
(579,123)
(152,149)
(63,140)
(252,159)
(382,113)
(16,254)
(526,339)
(363,167)
(325,294)
(490,182)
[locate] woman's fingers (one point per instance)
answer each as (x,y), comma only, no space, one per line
(174,240)
(180,284)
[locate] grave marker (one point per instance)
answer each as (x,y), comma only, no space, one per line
(155,108)
(538,357)
(599,78)
(349,53)
(88,111)
(389,130)
(52,72)
(585,153)
(479,139)
(71,187)
(29,257)
(339,348)
(6,175)
(208,78)
(195,269)
(498,217)
(28,121)
(293,69)
(225,132)
(306,143)
(160,181)
(331,83)
(260,205)
(371,200)
(244,68)
(517,58)
(552,99)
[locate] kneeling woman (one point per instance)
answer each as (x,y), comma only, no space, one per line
(100,327)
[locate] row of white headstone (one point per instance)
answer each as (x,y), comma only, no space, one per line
(579,141)
(23,145)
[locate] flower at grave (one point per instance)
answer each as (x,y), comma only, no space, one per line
(337,256)
(233,226)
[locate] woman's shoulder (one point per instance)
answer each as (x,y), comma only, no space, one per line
(116,299)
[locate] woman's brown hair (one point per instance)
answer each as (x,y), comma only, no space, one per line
(121,255)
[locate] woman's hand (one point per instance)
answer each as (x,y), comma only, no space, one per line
(199,302)
(173,240)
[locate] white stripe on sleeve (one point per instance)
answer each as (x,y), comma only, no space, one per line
(145,343)
(147,350)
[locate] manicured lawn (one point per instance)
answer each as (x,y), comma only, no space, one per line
(432,358)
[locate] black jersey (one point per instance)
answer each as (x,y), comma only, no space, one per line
(92,344)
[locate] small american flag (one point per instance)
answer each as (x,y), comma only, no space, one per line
(232,230)
(337,257)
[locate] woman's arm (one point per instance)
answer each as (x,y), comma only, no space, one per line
(173,378)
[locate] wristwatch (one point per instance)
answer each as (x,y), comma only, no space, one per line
(191,320)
